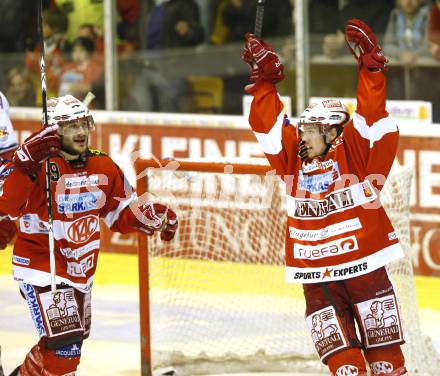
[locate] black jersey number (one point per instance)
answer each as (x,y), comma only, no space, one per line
(54,171)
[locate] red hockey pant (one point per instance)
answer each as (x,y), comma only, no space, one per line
(333,308)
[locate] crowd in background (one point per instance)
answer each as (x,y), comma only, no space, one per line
(409,32)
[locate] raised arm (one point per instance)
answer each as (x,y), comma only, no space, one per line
(17,178)
(267,118)
(373,135)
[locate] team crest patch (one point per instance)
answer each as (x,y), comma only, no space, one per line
(61,312)
(380,321)
(326,331)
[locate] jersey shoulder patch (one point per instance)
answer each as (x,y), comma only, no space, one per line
(96,153)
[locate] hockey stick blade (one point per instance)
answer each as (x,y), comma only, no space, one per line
(258,31)
(168,371)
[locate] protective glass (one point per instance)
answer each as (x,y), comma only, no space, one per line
(73,127)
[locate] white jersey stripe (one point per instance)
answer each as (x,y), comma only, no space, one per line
(377,130)
(271,142)
(112,216)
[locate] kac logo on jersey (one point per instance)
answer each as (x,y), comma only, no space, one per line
(82,229)
(78,203)
(320,182)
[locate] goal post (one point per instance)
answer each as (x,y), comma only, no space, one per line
(214,299)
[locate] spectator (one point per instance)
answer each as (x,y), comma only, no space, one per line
(171,24)
(79,12)
(220,32)
(20,88)
(373,12)
(54,28)
(239,17)
(323,23)
(12,17)
(89,31)
(207,9)
(85,73)
(327,20)
(405,40)
(406,37)
(128,25)
(434,30)
(174,23)
(430,93)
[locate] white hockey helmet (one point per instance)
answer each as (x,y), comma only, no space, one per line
(327,113)
(66,109)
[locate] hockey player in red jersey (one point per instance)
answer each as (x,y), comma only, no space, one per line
(8,144)
(86,186)
(338,236)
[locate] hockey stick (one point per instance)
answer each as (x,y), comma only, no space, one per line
(45,123)
(258,31)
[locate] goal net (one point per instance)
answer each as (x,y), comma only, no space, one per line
(214,300)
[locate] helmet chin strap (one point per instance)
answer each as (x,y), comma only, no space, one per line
(327,144)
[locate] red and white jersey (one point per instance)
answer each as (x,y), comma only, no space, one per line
(80,198)
(8,138)
(337,228)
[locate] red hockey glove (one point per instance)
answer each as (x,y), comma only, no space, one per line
(7,231)
(264,62)
(363,45)
(36,149)
(157,217)
(170,222)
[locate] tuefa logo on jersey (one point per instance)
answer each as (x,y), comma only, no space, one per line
(321,208)
(78,203)
(319,251)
